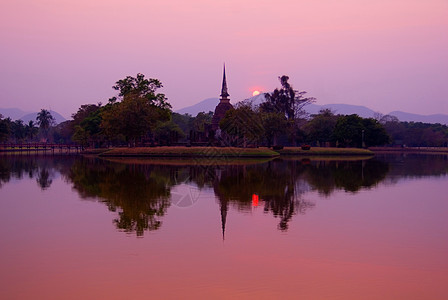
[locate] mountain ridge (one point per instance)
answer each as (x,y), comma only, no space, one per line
(26,116)
(209,104)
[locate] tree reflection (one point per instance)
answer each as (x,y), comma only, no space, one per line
(44,178)
(413,165)
(5,173)
(351,176)
(32,166)
(281,184)
(275,182)
(138,193)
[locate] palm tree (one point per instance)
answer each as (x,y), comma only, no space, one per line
(45,120)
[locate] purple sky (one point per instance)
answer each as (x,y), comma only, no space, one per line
(384,54)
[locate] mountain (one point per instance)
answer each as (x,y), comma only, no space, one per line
(32,117)
(343,109)
(13,113)
(18,114)
(404,116)
(206,105)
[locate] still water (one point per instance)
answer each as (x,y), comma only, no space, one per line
(324,228)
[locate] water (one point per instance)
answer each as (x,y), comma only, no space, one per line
(73,227)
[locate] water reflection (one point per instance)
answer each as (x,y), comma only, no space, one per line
(404,165)
(140,194)
(140,191)
(275,183)
(327,176)
(40,167)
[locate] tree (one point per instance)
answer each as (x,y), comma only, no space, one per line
(86,124)
(140,109)
(352,130)
(320,128)
(374,133)
(44,120)
(424,134)
(348,131)
(139,87)
(18,130)
(4,129)
(201,121)
(274,124)
(185,121)
(84,112)
(243,124)
(286,100)
(62,133)
(289,102)
(30,130)
(168,133)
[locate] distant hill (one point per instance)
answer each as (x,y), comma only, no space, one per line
(18,114)
(32,117)
(13,113)
(437,118)
(343,109)
(206,105)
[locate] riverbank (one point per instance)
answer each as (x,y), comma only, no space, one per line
(213,152)
(232,152)
(441,150)
(327,151)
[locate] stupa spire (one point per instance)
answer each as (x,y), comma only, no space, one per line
(224,93)
(223,105)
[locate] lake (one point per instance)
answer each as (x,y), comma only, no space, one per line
(315,228)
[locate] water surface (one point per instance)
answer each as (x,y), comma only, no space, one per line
(74,227)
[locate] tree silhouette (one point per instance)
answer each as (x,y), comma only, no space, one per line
(140,110)
(289,102)
(45,120)
(44,179)
(30,130)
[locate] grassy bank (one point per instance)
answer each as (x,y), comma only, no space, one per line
(218,152)
(215,152)
(325,151)
(186,161)
(442,150)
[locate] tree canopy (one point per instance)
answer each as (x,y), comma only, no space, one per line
(44,119)
(139,111)
(286,100)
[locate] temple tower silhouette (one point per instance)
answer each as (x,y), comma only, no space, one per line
(223,105)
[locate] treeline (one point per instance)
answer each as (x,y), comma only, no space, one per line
(415,134)
(140,116)
(18,132)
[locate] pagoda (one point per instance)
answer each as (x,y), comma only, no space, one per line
(223,105)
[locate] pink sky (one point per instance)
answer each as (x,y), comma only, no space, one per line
(384,54)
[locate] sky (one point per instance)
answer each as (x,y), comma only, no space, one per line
(384,54)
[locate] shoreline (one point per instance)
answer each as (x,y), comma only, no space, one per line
(231,152)
(434,150)
(225,152)
(190,152)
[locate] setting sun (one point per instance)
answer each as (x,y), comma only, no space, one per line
(255,93)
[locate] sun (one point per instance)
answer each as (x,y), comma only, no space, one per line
(255,93)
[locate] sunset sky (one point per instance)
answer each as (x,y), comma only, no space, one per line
(384,54)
